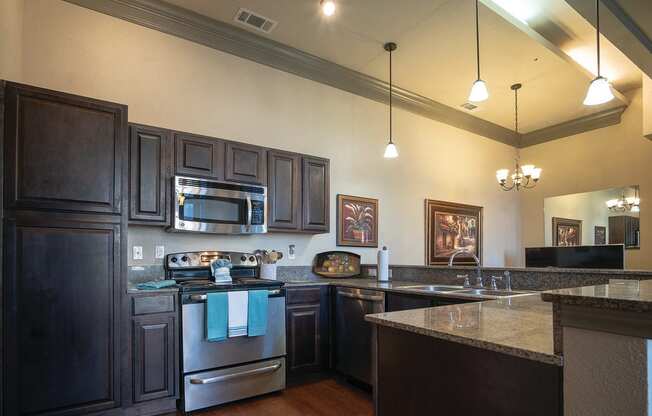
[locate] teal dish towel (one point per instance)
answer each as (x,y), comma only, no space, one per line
(155,284)
(217,316)
(257,313)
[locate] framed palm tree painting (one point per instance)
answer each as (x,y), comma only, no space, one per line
(357,221)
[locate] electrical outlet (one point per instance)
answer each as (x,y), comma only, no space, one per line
(371,272)
(390,273)
(138,252)
(291,252)
(160,252)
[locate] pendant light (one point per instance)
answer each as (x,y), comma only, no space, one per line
(327,7)
(599,90)
(390,151)
(526,176)
(479,89)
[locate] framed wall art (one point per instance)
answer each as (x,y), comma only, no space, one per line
(452,227)
(357,221)
(566,232)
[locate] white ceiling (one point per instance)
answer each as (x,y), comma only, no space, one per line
(436,50)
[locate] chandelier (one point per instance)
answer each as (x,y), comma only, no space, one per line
(624,204)
(524,177)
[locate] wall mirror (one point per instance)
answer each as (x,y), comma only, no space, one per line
(608,216)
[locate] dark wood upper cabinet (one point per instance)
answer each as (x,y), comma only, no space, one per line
(199,156)
(149,173)
(155,358)
(63,152)
(284,191)
(316,195)
(624,229)
(62,311)
(246,163)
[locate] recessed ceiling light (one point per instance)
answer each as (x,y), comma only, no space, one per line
(327,7)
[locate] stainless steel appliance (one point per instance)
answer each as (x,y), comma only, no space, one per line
(209,206)
(219,372)
(353,334)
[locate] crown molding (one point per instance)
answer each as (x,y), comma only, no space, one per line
(185,24)
(594,121)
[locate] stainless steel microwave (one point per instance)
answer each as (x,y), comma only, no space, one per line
(209,206)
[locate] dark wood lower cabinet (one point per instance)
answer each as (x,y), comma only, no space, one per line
(155,358)
(401,302)
(308,330)
(62,316)
(420,375)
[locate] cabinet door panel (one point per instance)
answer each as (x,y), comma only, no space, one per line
(149,174)
(154,357)
(303,337)
(63,306)
(316,195)
(199,155)
(246,163)
(284,190)
(396,302)
(63,152)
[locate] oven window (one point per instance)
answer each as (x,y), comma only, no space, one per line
(212,209)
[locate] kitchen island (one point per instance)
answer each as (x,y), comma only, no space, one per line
(614,322)
(491,358)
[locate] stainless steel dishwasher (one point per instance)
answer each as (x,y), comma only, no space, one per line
(352,333)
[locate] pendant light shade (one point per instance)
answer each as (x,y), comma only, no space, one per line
(599,90)
(391,152)
(479,91)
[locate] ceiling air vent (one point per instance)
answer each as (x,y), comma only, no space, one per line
(469,106)
(254,21)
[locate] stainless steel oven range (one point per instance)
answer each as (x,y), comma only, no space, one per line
(218,372)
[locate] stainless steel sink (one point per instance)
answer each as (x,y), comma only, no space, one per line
(433,288)
(493,293)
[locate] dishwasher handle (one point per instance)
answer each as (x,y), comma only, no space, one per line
(370,298)
(227,377)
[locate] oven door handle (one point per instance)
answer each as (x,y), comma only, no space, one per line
(203,297)
(250,210)
(361,297)
(227,377)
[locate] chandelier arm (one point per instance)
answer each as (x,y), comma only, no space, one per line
(507,188)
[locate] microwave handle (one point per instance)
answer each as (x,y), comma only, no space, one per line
(249,210)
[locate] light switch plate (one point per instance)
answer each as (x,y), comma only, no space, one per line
(160,252)
(138,252)
(292,252)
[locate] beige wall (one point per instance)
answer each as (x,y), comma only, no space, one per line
(11,32)
(173,83)
(611,157)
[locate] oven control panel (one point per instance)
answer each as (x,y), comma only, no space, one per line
(203,259)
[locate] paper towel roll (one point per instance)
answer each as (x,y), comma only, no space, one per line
(383,264)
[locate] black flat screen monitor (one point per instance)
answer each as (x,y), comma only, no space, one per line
(577,257)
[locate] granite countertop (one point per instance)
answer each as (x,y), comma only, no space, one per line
(632,296)
(520,326)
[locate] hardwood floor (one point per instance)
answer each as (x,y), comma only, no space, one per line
(330,397)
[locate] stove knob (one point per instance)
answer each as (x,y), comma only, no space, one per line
(252,259)
(173,259)
(243,258)
(184,259)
